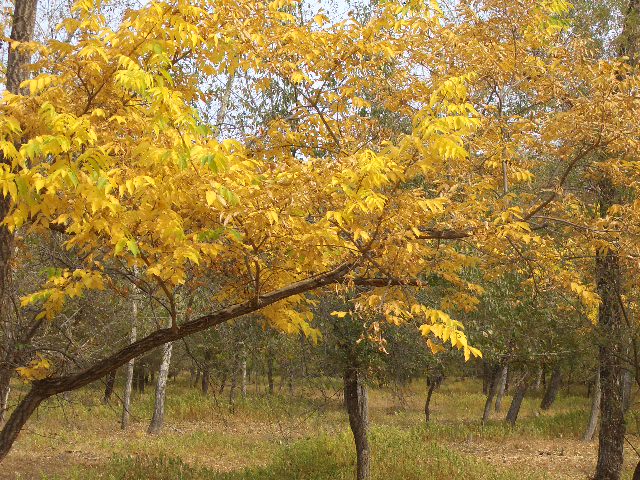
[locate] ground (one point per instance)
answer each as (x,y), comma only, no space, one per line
(305,436)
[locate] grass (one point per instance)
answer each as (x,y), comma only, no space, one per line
(302,437)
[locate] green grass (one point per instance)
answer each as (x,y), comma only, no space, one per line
(397,454)
(303,437)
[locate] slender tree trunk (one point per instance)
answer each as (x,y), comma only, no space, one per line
(491,391)
(126,398)
(486,380)
(223,381)
(141,380)
(234,381)
(595,410)
(539,378)
(108,386)
(551,392)
(518,397)
(243,373)
(270,372)
(356,401)
(290,378)
(161,390)
(502,386)
(434,382)
(206,372)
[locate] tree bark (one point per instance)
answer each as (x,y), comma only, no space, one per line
(356,401)
(518,397)
(502,386)
(434,382)
(108,386)
(595,409)
(161,390)
(553,388)
(492,388)
(17,420)
(22,29)
(608,280)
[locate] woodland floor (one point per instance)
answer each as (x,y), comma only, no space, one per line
(305,437)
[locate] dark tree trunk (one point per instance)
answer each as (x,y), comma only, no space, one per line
(636,472)
(518,397)
(612,427)
(223,381)
(22,28)
(139,378)
(17,420)
(486,377)
(356,401)
(108,386)
(434,382)
(494,377)
(553,388)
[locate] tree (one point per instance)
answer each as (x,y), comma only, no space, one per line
(114,155)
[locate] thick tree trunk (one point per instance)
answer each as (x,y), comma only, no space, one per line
(492,388)
(518,397)
(595,410)
(17,420)
(23,25)
(612,427)
(161,390)
(502,386)
(356,401)
(553,388)
(108,386)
